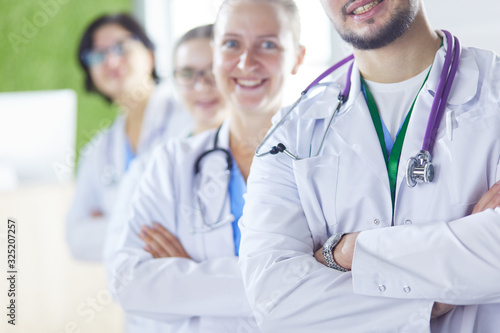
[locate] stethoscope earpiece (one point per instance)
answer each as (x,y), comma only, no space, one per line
(279,148)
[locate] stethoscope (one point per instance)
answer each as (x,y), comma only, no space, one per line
(110,175)
(419,169)
(206,227)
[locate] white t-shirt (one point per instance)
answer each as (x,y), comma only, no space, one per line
(395,99)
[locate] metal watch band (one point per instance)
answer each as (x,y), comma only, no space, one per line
(328,248)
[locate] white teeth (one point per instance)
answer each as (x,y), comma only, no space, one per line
(365,8)
(249,83)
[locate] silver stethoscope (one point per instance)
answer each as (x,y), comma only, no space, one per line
(111,175)
(220,221)
(419,169)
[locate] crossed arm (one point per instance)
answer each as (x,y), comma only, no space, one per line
(344,252)
(161,243)
(165,284)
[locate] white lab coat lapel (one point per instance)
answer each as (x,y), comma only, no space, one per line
(115,150)
(464,88)
(213,192)
(357,130)
(411,146)
(163,118)
(317,176)
(155,120)
(111,169)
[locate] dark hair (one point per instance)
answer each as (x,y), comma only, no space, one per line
(201,32)
(86,43)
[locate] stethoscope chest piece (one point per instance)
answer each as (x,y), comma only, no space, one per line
(419,169)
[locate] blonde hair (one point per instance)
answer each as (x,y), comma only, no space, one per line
(289,6)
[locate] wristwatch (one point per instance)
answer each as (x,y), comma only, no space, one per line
(328,248)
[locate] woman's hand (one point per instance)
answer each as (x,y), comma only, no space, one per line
(161,243)
(96,213)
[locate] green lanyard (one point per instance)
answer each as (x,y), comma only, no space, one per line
(391,161)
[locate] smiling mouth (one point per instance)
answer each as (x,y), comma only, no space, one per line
(365,8)
(207,104)
(249,83)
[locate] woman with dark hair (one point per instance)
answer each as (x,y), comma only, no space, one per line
(114,30)
(192,62)
(118,61)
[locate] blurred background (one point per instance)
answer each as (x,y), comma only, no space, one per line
(46,117)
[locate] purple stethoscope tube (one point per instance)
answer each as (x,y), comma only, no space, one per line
(419,168)
(443,90)
(329,71)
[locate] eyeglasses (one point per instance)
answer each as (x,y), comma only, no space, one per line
(97,57)
(187,76)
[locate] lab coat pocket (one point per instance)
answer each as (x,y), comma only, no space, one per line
(316,180)
(470,155)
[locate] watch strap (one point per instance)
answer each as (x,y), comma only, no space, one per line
(328,248)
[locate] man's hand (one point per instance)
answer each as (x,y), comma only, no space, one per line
(318,255)
(439,309)
(490,199)
(343,252)
(161,243)
(343,255)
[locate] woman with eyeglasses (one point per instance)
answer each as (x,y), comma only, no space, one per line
(176,260)
(118,63)
(192,62)
(194,79)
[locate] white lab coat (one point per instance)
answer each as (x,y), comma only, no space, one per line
(292,207)
(117,222)
(204,294)
(102,166)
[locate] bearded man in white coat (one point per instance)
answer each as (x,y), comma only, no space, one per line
(426,259)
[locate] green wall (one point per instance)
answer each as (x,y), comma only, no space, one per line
(38,46)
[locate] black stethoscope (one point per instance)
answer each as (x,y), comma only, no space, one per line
(197,174)
(419,169)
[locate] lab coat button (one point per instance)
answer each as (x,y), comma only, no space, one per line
(381,288)
(408,222)
(376,221)
(407,289)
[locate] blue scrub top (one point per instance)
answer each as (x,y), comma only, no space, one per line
(129,153)
(389,144)
(237,187)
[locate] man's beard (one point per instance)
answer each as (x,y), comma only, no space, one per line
(394,29)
